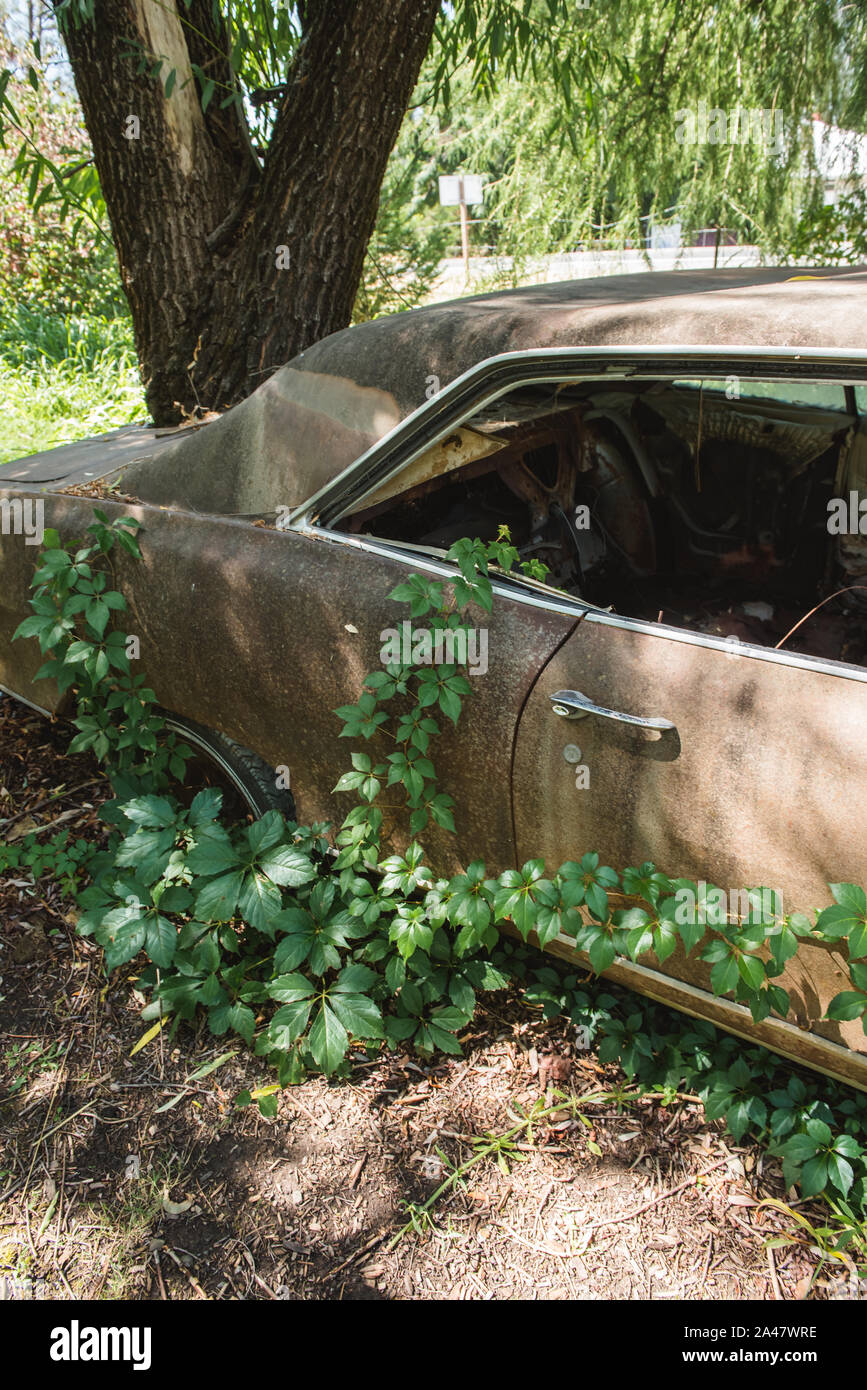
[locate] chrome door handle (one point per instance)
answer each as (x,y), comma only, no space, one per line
(571,704)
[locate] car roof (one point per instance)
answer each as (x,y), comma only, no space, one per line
(759,307)
(314,417)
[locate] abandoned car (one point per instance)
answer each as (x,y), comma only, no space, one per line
(687,455)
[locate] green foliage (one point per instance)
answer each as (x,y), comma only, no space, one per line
(55,244)
(68,367)
(571,114)
(73,607)
(65,859)
(830,234)
(814,1126)
(306,953)
(87,343)
(63,377)
(497,39)
(404,254)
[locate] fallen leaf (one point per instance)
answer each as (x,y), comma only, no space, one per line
(149,1035)
(176,1208)
(23,828)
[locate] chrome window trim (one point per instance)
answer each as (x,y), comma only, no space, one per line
(490,379)
(494,377)
(519,592)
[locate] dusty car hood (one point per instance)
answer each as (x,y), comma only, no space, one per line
(321,412)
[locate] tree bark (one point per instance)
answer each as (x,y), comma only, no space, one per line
(233,265)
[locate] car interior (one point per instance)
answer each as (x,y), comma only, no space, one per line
(728,506)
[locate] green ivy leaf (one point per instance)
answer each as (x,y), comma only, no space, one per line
(783,946)
(814,1176)
(123,935)
(602,953)
(752,971)
(358,1014)
(858,941)
(290,988)
(152,811)
(847,1005)
(265,833)
(213,852)
(840,1172)
(288,1024)
(218,900)
(328,1040)
(354,979)
(724,975)
(161,939)
(259,902)
(851,896)
(288,866)
(237,1016)
(839,921)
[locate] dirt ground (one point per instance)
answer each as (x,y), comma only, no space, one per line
(123,1175)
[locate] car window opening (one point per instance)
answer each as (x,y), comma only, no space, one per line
(723,506)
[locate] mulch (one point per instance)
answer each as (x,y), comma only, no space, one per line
(123,1175)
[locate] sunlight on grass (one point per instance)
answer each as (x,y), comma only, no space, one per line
(64,379)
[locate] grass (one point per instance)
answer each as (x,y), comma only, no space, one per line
(64,378)
(24,1061)
(125,1226)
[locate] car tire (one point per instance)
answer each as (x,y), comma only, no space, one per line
(232,767)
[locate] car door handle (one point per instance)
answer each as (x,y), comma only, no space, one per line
(571,704)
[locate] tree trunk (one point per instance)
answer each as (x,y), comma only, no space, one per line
(231,265)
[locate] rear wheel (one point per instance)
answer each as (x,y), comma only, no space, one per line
(248,784)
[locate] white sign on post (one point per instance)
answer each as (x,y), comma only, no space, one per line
(450,189)
(473,190)
(462,190)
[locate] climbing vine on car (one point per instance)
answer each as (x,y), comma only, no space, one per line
(115,712)
(308,943)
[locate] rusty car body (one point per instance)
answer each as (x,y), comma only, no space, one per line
(670,445)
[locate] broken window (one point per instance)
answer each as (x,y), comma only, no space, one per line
(729,506)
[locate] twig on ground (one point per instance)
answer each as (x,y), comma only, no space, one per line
(660,1197)
(49,801)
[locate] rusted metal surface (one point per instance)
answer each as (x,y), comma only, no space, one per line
(317,415)
(751,789)
(88,459)
(762,307)
(260,633)
(754,787)
(621,505)
(759,423)
(275,449)
(458,450)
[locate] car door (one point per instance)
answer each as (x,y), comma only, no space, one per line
(750,773)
